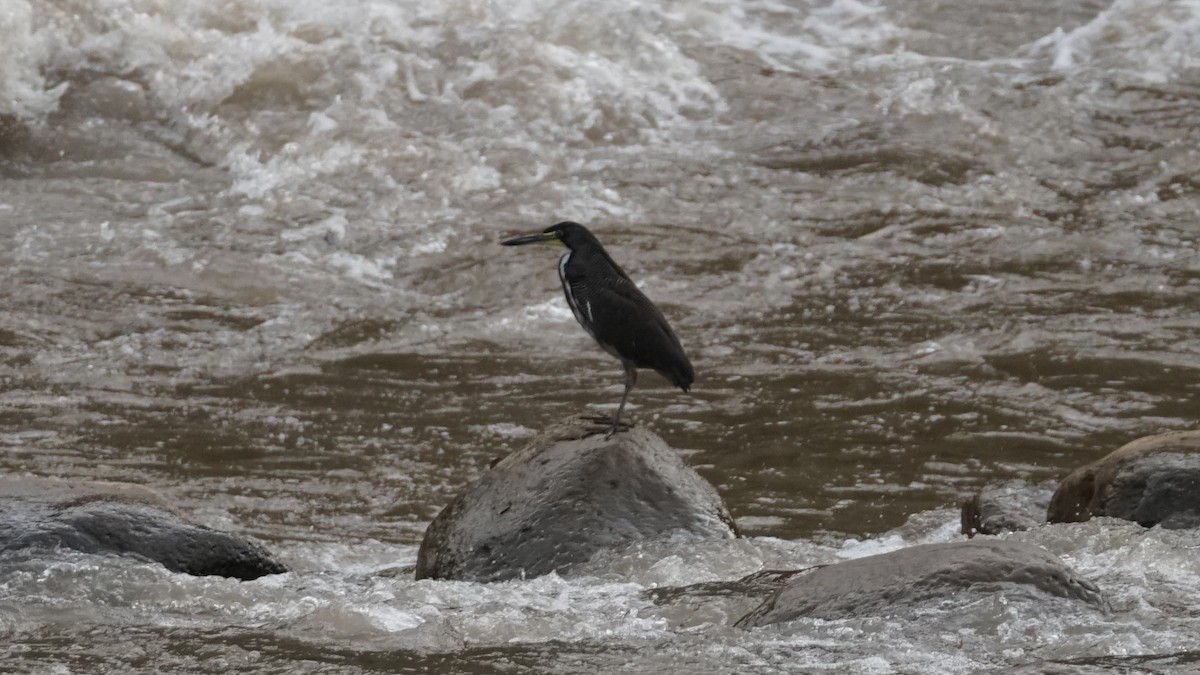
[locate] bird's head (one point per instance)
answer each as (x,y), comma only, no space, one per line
(571,235)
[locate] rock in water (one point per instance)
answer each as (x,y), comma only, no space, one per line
(1011,506)
(124,519)
(1152,481)
(871,585)
(564,497)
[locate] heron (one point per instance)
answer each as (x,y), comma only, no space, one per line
(612,309)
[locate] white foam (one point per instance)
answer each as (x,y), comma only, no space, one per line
(503,429)
(1153,40)
(798,36)
(24,91)
(553,309)
(333,101)
(359,267)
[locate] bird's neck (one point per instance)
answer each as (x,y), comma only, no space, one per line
(579,261)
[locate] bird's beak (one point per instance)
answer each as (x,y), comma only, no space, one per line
(539,238)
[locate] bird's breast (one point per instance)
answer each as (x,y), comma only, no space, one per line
(582,312)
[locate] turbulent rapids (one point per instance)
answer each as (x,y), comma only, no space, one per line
(912,248)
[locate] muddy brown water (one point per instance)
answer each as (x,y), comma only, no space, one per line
(250,258)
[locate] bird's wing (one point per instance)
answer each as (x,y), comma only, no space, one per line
(624,321)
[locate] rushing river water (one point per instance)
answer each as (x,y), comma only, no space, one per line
(250,258)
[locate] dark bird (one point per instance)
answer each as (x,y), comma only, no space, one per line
(612,310)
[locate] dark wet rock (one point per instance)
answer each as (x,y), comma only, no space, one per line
(121,518)
(1011,506)
(875,584)
(757,585)
(567,496)
(1152,481)
(719,602)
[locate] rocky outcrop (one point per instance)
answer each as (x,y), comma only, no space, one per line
(879,583)
(123,519)
(1153,481)
(566,496)
(1011,506)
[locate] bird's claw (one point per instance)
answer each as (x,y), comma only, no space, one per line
(603,424)
(612,431)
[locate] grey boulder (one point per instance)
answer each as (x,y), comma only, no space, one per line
(879,583)
(1152,481)
(566,496)
(1011,506)
(122,519)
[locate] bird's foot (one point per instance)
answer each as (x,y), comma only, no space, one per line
(612,430)
(603,424)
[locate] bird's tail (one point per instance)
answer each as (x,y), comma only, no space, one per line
(682,375)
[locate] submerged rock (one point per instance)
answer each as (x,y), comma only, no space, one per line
(1011,506)
(121,518)
(871,585)
(1152,481)
(564,497)
(718,602)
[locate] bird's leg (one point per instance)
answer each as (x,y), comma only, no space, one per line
(609,425)
(630,380)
